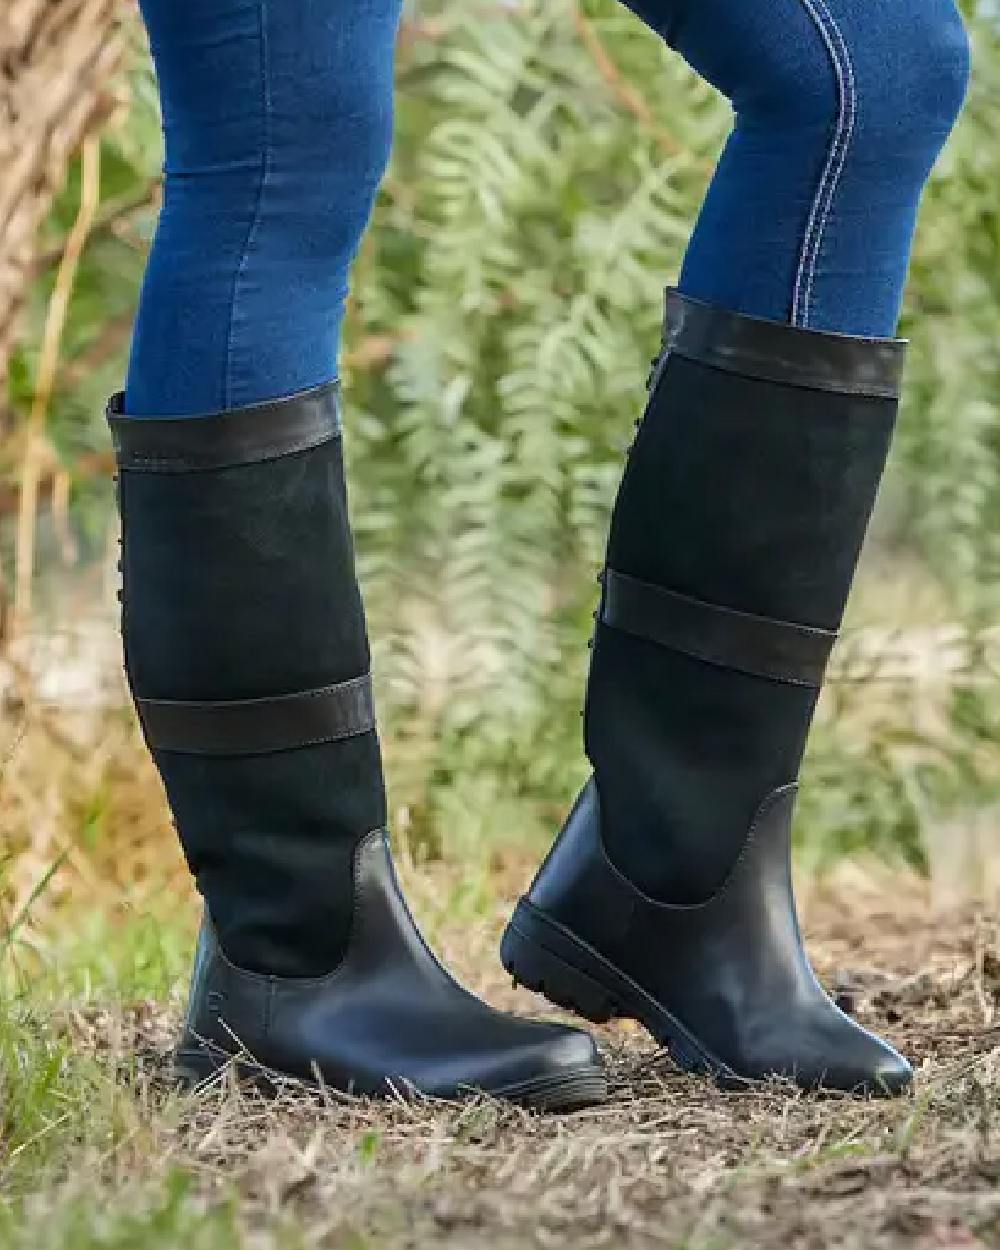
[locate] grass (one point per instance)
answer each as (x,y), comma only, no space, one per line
(98,1151)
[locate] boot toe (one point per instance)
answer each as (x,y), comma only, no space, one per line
(866,1064)
(567,1049)
(554,1067)
(892,1074)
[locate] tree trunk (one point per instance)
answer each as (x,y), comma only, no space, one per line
(57,64)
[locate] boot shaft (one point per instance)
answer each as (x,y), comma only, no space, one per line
(247,656)
(733,544)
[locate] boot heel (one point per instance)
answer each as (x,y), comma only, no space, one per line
(537,968)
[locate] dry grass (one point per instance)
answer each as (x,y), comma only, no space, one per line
(112,1159)
(668,1162)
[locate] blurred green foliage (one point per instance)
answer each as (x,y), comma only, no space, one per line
(549,163)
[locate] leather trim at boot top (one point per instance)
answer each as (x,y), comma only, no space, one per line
(776,352)
(250,435)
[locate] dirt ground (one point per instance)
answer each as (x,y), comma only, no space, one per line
(669,1161)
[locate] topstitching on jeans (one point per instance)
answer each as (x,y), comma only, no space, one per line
(255,220)
(822,204)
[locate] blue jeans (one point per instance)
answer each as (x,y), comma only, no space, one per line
(278,118)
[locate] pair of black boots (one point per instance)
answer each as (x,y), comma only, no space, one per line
(667,898)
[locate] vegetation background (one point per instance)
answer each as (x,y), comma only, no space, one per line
(550,159)
(549,163)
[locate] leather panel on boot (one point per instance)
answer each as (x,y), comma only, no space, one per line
(389,1016)
(727,980)
(754,347)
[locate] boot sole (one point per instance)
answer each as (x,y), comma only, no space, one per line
(545,956)
(558,1092)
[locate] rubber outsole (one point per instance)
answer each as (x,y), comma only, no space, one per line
(567,1091)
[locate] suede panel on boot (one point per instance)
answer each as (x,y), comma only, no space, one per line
(752,495)
(239,584)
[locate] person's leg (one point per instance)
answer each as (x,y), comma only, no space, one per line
(277,121)
(245,639)
(841,107)
(735,537)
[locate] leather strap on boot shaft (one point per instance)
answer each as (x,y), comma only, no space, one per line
(259,726)
(778,650)
(244,436)
(775,352)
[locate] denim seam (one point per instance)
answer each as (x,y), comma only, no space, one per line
(255,220)
(822,203)
(852,101)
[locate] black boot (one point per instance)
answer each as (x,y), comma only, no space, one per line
(667,897)
(247,655)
